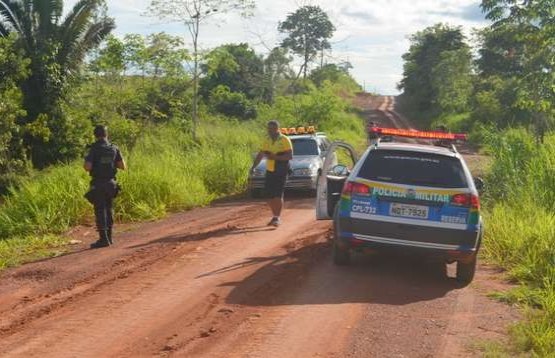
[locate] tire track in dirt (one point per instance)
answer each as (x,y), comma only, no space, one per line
(68,288)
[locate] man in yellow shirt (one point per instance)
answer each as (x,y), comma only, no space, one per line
(278,151)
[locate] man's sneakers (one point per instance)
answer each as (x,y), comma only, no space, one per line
(276,221)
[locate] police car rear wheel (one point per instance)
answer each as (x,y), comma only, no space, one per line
(466,271)
(341,256)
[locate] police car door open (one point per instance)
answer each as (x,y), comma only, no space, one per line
(339,163)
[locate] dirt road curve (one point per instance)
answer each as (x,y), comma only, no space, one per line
(217,282)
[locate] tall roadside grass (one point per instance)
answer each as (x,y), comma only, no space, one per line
(167,172)
(520,232)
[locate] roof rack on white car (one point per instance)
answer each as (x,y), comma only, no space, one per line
(308,130)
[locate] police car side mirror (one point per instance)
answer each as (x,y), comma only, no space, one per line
(339,170)
(479,183)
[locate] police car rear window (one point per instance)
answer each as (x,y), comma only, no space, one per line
(304,146)
(412,168)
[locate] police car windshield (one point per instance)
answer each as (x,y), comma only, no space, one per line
(304,146)
(412,168)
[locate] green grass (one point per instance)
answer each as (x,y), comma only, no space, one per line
(17,250)
(520,233)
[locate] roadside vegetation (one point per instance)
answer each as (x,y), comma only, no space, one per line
(504,96)
(520,232)
(187,121)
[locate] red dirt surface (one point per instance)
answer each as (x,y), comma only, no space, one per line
(217,282)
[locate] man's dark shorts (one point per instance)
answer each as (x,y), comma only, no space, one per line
(274,185)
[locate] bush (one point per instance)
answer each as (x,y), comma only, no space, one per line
(232,104)
(520,233)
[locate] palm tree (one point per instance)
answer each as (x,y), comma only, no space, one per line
(56,46)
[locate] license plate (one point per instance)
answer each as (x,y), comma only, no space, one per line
(408,211)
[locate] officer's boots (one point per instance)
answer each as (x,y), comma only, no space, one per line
(103,241)
(110,236)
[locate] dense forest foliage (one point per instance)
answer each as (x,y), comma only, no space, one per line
(503,78)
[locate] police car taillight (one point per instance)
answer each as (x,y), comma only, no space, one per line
(466,200)
(351,188)
(475,202)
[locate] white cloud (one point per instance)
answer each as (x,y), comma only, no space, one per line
(371,34)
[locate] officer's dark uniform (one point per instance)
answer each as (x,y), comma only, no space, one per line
(372,135)
(103,155)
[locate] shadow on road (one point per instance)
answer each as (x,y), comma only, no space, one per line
(291,196)
(307,276)
(212,234)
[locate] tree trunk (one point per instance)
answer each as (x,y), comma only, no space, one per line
(306,58)
(195,79)
(305,66)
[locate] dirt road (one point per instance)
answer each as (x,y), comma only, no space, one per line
(217,282)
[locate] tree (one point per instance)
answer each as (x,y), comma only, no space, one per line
(194,13)
(424,54)
(333,73)
(232,104)
(111,58)
(277,69)
(235,66)
(501,51)
(135,52)
(13,69)
(165,55)
(452,81)
(536,29)
(56,47)
(308,30)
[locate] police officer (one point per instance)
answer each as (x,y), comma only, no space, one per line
(442,142)
(373,136)
(102,162)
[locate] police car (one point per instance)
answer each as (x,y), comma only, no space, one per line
(309,151)
(404,196)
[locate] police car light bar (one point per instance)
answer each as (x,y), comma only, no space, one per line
(410,133)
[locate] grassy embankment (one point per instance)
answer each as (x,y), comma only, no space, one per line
(168,172)
(520,234)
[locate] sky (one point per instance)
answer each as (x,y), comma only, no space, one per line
(371,34)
